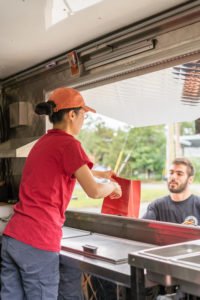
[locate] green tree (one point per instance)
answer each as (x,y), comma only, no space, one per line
(144,147)
(95,137)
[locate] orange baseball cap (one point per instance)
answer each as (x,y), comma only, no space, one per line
(68,98)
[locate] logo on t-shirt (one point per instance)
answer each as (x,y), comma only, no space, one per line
(190,220)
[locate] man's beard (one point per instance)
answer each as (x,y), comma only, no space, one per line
(179,189)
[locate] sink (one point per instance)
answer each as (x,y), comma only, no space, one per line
(175,250)
(192,260)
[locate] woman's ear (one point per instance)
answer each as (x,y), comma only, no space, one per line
(71,115)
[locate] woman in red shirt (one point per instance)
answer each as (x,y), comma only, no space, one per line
(31,240)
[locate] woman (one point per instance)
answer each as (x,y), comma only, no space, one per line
(31,240)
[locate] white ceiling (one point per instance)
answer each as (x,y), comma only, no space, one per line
(32,31)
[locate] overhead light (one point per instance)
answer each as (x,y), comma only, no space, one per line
(112,53)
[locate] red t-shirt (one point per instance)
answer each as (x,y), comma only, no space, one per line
(45,190)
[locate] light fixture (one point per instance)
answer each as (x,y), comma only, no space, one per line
(114,53)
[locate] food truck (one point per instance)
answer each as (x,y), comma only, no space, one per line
(135,61)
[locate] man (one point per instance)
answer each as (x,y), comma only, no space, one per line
(180,206)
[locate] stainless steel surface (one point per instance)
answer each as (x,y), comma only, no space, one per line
(118,273)
(110,249)
(21,114)
(151,232)
(165,280)
(71,232)
(191,260)
(168,265)
(175,250)
(189,288)
(167,270)
(116,53)
(122,16)
(17,147)
(163,23)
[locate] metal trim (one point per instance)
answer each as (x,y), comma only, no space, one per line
(151,232)
(136,71)
(118,54)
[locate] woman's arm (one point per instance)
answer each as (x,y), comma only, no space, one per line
(94,189)
(104,174)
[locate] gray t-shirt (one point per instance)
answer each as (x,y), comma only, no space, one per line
(166,210)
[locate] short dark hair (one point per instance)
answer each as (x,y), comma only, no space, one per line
(185,161)
(46,108)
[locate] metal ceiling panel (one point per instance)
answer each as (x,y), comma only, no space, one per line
(34,31)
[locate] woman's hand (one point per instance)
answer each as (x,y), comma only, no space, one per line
(117,192)
(94,189)
(109,175)
(105,174)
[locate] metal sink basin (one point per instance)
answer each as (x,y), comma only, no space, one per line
(191,260)
(174,251)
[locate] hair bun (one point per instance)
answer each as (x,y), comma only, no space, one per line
(45,108)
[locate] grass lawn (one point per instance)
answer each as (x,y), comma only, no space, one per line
(147,195)
(83,200)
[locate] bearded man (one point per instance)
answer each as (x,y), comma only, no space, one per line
(180,206)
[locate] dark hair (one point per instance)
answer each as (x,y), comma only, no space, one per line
(46,108)
(186,162)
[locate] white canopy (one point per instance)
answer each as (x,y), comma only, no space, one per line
(151,99)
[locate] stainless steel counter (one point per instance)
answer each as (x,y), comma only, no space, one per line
(111,249)
(116,273)
(170,265)
(111,238)
(145,231)
(68,232)
(111,258)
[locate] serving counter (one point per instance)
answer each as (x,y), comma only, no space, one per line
(177,264)
(122,250)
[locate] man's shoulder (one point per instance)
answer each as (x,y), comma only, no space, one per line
(161,200)
(155,207)
(196,198)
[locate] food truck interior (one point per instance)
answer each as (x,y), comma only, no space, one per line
(134,61)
